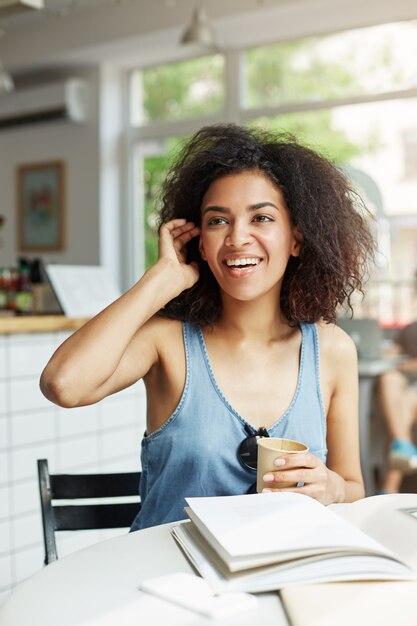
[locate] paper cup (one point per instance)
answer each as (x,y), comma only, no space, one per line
(269,449)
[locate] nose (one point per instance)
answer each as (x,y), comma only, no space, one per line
(238,234)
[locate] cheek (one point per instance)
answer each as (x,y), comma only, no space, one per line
(279,248)
(277,242)
(207,246)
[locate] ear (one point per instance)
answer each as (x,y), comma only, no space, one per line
(201,249)
(297,241)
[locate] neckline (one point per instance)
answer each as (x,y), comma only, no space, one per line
(227,403)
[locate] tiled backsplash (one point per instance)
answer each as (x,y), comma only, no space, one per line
(100,438)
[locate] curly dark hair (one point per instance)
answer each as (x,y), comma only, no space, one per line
(337,242)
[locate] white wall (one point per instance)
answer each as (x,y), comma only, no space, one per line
(78,146)
(103,437)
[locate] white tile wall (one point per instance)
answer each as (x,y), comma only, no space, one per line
(4,389)
(4,468)
(33,426)
(25,497)
(123,464)
(4,432)
(76,421)
(24,460)
(26,562)
(28,354)
(103,437)
(5,571)
(25,395)
(5,498)
(118,443)
(27,530)
(119,411)
(4,537)
(78,453)
(3,362)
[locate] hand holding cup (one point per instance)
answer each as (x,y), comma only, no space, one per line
(271,448)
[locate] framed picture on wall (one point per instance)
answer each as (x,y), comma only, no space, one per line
(41,206)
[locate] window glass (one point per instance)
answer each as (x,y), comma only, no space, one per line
(151,168)
(350,64)
(178,90)
(410,152)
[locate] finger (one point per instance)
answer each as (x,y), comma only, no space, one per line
(299,475)
(182,229)
(186,228)
(174,228)
(178,235)
(297,460)
(307,490)
(294,489)
(169,226)
(185,237)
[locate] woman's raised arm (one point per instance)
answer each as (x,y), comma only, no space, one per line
(119,345)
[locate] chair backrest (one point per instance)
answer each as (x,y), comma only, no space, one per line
(83,516)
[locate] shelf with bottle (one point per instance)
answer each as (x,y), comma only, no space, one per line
(17,287)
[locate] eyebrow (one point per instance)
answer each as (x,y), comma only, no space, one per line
(251,207)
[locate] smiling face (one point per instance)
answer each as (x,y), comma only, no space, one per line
(246,235)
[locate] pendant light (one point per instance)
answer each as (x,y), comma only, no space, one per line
(6,80)
(199,31)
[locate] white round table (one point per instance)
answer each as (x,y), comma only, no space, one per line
(99,586)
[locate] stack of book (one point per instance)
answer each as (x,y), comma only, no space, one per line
(264,542)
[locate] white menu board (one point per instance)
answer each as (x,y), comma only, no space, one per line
(82,290)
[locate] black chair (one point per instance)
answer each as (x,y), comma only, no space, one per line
(57,517)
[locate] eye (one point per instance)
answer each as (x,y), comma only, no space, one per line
(262,218)
(216,221)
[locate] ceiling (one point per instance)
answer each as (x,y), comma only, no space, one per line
(61,9)
(93,31)
(128,32)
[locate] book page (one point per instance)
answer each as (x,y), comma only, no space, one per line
(335,567)
(265,524)
(385,518)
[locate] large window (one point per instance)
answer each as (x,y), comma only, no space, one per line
(177,91)
(355,63)
(351,95)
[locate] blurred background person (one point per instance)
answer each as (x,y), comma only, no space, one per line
(398,402)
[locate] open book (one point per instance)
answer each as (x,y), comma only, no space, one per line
(262,542)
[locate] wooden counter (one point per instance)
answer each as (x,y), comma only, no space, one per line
(38,324)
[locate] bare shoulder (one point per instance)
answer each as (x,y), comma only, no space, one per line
(164,337)
(161,332)
(160,324)
(336,346)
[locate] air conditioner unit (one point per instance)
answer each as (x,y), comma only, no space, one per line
(62,101)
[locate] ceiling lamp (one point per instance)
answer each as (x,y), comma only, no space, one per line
(199,31)
(14,7)
(6,81)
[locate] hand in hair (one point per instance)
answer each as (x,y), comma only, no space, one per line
(173,237)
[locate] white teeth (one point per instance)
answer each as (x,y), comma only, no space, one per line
(240,262)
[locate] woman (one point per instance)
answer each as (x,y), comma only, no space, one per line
(233,329)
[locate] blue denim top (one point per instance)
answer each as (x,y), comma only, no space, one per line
(194,453)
